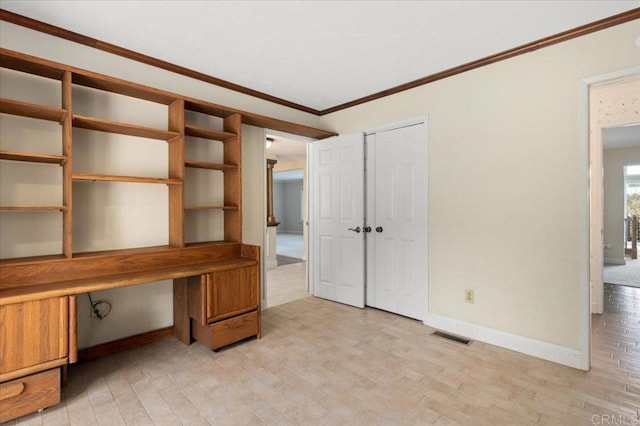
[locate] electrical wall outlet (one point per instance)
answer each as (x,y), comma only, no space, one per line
(469,296)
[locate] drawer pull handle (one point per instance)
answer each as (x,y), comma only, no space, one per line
(11,390)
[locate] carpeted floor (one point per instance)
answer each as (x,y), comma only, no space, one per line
(628,274)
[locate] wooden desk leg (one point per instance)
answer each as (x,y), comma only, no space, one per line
(181,322)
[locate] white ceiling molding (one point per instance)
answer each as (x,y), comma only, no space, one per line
(318,54)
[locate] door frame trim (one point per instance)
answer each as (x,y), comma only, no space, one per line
(586,151)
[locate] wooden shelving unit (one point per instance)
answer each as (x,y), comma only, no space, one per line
(176,134)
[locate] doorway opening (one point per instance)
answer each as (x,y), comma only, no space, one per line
(613,144)
(286,234)
(622,210)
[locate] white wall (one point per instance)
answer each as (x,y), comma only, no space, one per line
(278,203)
(506,186)
(614,162)
(287,203)
(294,164)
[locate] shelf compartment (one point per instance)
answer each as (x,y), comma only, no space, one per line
(33,208)
(25,109)
(33,157)
(101,125)
(203,132)
(122,87)
(209,166)
(208,108)
(116,178)
(211,208)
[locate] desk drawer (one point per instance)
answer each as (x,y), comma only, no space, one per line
(225,332)
(28,394)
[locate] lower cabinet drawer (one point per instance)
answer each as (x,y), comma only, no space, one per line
(225,332)
(28,394)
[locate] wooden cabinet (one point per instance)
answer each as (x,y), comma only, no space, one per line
(35,337)
(33,333)
(224,306)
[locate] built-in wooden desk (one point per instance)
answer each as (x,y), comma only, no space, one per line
(216,291)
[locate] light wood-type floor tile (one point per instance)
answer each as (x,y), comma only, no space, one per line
(322,363)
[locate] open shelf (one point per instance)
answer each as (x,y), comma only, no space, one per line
(25,109)
(29,64)
(203,132)
(33,208)
(209,166)
(33,157)
(116,178)
(114,85)
(122,128)
(211,208)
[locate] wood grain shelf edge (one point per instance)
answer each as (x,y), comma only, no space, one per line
(25,109)
(33,157)
(209,166)
(203,132)
(118,178)
(101,125)
(191,208)
(32,208)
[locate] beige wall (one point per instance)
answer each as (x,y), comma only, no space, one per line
(614,162)
(504,172)
(505,191)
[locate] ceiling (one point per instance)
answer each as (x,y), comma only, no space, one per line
(287,150)
(621,137)
(288,175)
(319,54)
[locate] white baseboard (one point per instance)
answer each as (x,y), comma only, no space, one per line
(614,261)
(271,263)
(537,348)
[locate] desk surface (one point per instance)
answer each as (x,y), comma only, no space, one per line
(22,281)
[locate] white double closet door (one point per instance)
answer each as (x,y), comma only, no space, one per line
(369,221)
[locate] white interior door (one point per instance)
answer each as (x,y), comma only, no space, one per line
(337,219)
(397,247)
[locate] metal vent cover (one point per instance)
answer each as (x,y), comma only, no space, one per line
(453,338)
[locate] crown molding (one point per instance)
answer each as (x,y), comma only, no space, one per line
(53,30)
(516,51)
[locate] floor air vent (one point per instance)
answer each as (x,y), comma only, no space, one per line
(452,337)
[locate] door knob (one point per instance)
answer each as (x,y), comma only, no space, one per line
(356,230)
(379,229)
(367,229)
